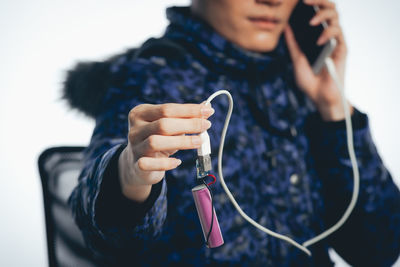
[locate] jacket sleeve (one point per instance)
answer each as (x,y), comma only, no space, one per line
(111,224)
(371,236)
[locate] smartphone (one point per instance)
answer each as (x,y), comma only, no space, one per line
(307,35)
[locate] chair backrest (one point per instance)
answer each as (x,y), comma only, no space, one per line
(59,169)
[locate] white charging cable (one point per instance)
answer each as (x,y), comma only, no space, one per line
(332,71)
(221,176)
(330,65)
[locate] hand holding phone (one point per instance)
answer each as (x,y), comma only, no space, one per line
(309,58)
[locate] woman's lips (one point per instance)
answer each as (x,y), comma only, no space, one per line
(265,23)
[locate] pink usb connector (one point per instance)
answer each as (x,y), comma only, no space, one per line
(203,196)
(202,200)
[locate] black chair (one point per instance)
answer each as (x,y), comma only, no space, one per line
(59,169)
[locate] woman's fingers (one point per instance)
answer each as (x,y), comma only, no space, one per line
(328,15)
(148,112)
(173,126)
(160,143)
(158,131)
(169,127)
(328,33)
(157,164)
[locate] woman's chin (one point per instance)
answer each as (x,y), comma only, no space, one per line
(260,44)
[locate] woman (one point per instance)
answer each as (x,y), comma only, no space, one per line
(285,156)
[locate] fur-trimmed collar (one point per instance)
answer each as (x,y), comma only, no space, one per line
(87,82)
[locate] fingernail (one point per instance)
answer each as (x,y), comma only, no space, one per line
(313,21)
(178,162)
(206,111)
(206,124)
(196,140)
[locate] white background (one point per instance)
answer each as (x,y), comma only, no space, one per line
(41,39)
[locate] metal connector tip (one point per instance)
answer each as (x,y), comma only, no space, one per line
(203,166)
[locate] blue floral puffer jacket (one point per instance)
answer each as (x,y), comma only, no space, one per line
(288,169)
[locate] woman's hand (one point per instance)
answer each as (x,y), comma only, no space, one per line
(155,133)
(321,88)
